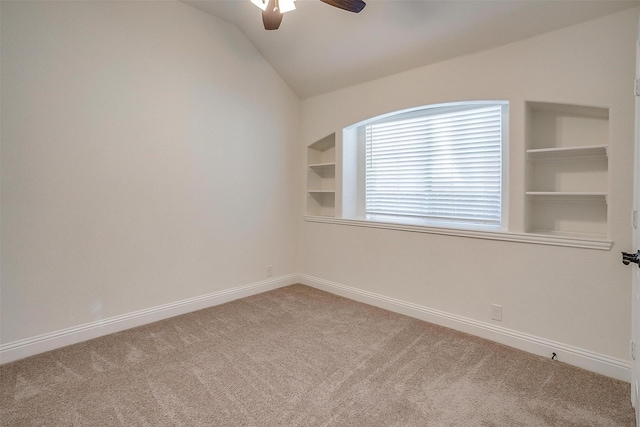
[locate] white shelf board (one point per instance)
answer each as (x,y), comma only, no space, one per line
(326,143)
(568,196)
(567,193)
(319,217)
(322,165)
(569,110)
(564,152)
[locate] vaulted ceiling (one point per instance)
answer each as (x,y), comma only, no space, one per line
(319,48)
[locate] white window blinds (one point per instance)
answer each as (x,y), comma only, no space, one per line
(443,164)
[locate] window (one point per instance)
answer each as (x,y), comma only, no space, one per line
(438,166)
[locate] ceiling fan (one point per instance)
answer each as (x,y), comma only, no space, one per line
(272,10)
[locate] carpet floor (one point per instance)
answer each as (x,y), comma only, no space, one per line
(297,356)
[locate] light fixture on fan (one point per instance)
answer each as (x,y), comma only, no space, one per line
(272,10)
(283,6)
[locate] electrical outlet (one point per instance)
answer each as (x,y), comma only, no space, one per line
(496,312)
(269,270)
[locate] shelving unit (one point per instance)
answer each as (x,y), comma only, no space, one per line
(321,177)
(567,170)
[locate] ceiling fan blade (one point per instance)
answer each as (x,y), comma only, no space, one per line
(350,5)
(271,16)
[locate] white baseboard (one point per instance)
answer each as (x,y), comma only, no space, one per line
(605,365)
(591,361)
(31,346)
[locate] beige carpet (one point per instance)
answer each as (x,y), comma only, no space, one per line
(297,356)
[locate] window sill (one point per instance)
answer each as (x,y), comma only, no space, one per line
(539,239)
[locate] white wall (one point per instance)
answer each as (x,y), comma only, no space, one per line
(578,297)
(148,156)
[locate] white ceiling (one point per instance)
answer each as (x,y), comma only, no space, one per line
(319,48)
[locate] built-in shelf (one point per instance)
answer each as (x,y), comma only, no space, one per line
(568,152)
(567,170)
(321,175)
(577,194)
(323,166)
